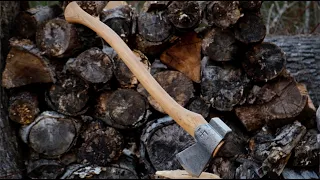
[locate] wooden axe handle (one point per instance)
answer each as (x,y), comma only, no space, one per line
(188,120)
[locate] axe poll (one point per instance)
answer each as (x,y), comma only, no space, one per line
(208,136)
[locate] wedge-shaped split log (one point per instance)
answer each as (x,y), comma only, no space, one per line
(25,65)
(278,103)
(101,144)
(51,134)
(185,56)
(176,84)
(123,109)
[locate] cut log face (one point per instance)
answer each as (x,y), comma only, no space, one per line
(220,45)
(184,15)
(58,38)
(176,84)
(223,86)
(264,62)
(92,65)
(27,21)
(161,140)
(69,95)
(101,145)
(307,151)
(222,13)
(281,103)
(23,107)
(250,29)
(44,169)
(120,19)
(123,74)
(198,105)
(185,56)
(51,134)
(25,65)
(123,109)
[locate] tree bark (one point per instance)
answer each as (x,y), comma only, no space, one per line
(9,155)
(303,60)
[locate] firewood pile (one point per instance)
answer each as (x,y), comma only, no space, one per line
(81,113)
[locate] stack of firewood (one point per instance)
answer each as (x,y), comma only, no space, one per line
(82,113)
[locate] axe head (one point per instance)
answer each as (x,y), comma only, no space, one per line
(208,136)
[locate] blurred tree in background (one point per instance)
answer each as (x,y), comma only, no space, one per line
(280,17)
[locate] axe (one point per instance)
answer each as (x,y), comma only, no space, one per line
(208,136)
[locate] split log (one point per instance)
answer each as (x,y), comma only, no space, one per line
(44,169)
(58,38)
(123,74)
(247,169)
(220,45)
(25,65)
(278,103)
(274,150)
(289,173)
(184,15)
(185,56)
(250,29)
(92,65)
(121,19)
(69,95)
(101,145)
(250,5)
(307,151)
(123,109)
(264,62)
(222,13)
(176,84)
(154,33)
(198,105)
(23,107)
(182,174)
(223,86)
(161,140)
(27,22)
(51,134)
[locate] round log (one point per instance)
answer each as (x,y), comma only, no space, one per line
(220,45)
(58,38)
(264,62)
(176,84)
(123,109)
(93,8)
(223,86)
(198,105)
(222,13)
(123,74)
(92,65)
(27,21)
(161,140)
(25,65)
(101,145)
(250,29)
(51,134)
(184,15)
(69,95)
(121,19)
(23,107)
(44,169)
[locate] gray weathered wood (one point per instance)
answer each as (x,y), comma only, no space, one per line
(9,156)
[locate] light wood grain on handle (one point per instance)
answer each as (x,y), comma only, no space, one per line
(188,120)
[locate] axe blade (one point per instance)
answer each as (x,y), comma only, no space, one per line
(208,136)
